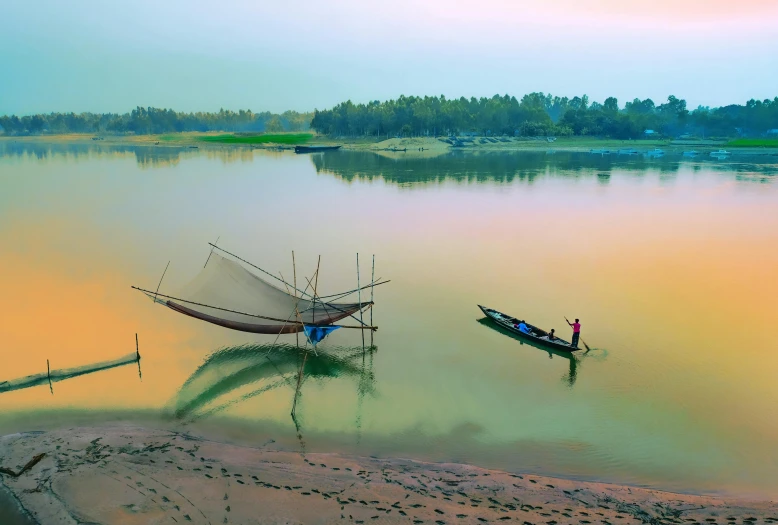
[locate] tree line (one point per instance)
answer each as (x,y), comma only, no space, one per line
(144,121)
(535,114)
(538,114)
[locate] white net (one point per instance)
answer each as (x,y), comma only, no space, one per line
(227,294)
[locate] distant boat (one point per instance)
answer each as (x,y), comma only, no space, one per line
(628,151)
(656,152)
(719,153)
(551,139)
(692,153)
(313,149)
(600,151)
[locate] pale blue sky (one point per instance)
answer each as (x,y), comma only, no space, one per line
(87,55)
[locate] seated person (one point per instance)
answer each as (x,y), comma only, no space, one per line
(551,335)
(523,327)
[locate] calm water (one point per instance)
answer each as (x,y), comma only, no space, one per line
(670,264)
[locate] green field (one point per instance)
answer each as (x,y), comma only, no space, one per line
(279,138)
(753,143)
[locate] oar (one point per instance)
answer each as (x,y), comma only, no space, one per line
(579,337)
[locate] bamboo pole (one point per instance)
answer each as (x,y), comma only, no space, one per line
(360,304)
(363,327)
(48,373)
(211,253)
(294,271)
(160,281)
(344,294)
(315,286)
(372,288)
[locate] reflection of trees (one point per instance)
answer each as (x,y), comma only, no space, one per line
(147,156)
(507,167)
(151,157)
(230,154)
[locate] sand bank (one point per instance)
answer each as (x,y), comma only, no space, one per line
(401,147)
(131,475)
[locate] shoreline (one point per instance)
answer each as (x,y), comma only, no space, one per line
(404,147)
(130,474)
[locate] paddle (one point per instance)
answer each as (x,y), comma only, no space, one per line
(579,337)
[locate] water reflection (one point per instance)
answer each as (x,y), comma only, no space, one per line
(146,155)
(525,166)
(236,374)
(572,374)
(400,168)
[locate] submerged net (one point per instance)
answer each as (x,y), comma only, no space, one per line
(227,294)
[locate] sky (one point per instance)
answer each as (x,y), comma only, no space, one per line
(93,55)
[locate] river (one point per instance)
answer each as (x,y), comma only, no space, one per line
(670,263)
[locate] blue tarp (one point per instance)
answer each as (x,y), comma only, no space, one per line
(317,333)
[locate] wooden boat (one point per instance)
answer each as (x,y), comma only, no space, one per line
(570,357)
(314,149)
(537,335)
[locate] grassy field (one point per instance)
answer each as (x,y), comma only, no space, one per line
(753,143)
(279,138)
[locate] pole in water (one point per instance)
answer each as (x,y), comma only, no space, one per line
(297,389)
(294,271)
(137,356)
(48,374)
(360,304)
(315,296)
(372,283)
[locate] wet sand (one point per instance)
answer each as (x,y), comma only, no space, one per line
(10,512)
(131,475)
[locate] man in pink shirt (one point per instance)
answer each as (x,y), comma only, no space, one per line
(576,332)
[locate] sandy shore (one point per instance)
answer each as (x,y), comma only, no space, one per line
(130,475)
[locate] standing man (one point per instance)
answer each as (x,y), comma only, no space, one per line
(576,332)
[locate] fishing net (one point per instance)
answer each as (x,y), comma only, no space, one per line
(228,294)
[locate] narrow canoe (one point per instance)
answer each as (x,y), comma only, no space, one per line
(313,149)
(536,335)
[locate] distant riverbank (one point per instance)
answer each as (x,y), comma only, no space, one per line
(416,146)
(131,475)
